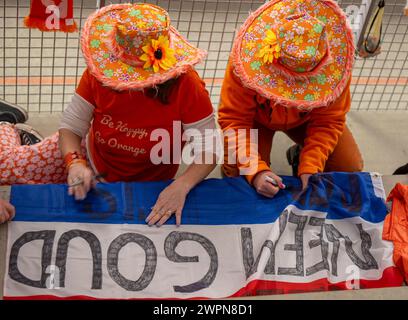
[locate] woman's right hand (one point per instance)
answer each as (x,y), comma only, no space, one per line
(266,188)
(80,173)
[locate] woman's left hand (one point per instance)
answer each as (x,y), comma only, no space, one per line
(171,200)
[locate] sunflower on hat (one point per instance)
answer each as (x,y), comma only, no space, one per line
(134,46)
(158,55)
(270,50)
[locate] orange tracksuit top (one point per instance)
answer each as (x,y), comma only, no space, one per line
(240,107)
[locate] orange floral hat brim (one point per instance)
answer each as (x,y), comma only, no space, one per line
(299,90)
(117,74)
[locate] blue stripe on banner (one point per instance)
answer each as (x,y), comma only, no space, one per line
(213,202)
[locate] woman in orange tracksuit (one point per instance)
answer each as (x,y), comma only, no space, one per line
(290,71)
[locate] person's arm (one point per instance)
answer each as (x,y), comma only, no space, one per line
(237,112)
(74,126)
(172,199)
(203,141)
(69,141)
(7,211)
(323,132)
(198,125)
(78,172)
(194,174)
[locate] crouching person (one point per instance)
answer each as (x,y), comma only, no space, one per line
(290,71)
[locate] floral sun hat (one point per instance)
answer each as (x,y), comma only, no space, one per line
(133,46)
(296,53)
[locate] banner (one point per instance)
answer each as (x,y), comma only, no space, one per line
(232,241)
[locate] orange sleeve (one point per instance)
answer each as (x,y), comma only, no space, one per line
(324,129)
(237,110)
(193,98)
(85,87)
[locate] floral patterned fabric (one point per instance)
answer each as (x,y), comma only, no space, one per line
(312,51)
(39,163)
(134,46)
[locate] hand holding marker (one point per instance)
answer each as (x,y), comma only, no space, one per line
(279,184)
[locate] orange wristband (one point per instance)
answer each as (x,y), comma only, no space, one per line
(82,161)
(73,158)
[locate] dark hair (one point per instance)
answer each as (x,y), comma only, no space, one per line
(162,91)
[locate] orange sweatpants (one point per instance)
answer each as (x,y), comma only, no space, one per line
(346,157)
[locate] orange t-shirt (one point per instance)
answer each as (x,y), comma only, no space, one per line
(119,139)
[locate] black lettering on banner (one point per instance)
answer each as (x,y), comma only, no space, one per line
(318,196)
(95,196)
(356,202)
(248,249)
(336,246)
(301,196)
(170,245)
(333,235)
(150,264)
(62,252)
(324,264)
(329,185)
(297,247)
(48,237)
(142,213)
(293,191)
(129,203)
(313,195)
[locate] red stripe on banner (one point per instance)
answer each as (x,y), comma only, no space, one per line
(82,297)
(391,278)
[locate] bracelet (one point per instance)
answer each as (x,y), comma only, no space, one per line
(76,161)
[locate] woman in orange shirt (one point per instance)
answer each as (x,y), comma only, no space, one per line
(290,71)
(137,97)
